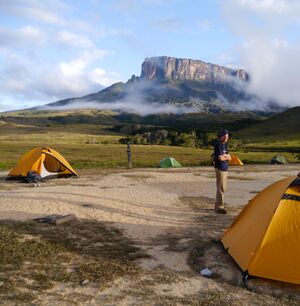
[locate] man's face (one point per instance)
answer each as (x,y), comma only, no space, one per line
(224,138)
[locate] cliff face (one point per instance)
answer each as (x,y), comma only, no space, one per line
(170,68)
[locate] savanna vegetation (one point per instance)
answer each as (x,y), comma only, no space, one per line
(95,139)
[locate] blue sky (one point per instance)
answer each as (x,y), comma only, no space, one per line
(55,49)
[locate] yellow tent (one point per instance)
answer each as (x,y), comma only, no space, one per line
(264,239)
(235,161)
(45,161)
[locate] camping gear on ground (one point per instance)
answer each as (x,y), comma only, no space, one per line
(278,159)
(45,162)
(235,161)
(56,219)
(169,162)
(32,177)
(264,239)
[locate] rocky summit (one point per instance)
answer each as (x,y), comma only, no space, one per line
(171,68)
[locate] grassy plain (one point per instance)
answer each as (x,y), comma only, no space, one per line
(93,146)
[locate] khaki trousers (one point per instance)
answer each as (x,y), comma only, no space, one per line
(221,177)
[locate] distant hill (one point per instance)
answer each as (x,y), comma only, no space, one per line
(182,122)
(279,131)
(171,85)
(282,126)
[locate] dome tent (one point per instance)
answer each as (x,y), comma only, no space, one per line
(169,162)
(44,161)
(278,159)
(264,239)
(235,161)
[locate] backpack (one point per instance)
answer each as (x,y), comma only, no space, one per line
(32,177)
(212,159)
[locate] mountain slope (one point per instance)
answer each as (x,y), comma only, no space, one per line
(282,126)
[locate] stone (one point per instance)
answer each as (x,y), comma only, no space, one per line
(171,68)
(206,272)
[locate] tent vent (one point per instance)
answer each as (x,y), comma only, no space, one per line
(292,197)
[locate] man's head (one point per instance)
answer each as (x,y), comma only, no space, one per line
(224,135)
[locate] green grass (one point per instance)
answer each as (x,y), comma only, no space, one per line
(85,151)
(88,146)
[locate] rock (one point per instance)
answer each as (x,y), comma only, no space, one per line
(84,282)
(170,68)
(206,272)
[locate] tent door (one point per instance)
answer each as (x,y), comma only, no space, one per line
(45,172)
(51,166)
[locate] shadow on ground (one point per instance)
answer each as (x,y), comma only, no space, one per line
(206,250)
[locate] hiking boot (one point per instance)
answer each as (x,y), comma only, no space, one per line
(221,211)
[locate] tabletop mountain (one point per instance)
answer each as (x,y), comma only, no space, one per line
(169,84)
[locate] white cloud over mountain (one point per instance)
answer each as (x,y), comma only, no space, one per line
(266,50)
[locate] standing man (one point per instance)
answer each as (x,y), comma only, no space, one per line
(221,158)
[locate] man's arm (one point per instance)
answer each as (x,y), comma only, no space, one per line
(224,157)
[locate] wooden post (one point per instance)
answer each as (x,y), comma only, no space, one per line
(129,155)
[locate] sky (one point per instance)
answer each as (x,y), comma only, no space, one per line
(56,49)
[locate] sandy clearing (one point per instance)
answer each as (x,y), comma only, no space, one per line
(147,205)
(143,202)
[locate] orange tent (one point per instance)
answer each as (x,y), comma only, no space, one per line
(264,239)
(235,161)
(45,161)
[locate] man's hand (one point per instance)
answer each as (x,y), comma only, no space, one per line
(224,157)
(228,157)
(298,174)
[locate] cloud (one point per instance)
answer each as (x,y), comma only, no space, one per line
(169,24)
(78,65)
(265,50)
(23,36)
(102,77)
(55,13)
(126,105)
(274,67)
(253,103)
(134,100)
(43,11)
(205,25)
(121,32)
(29,74)
(126,5)
(7,103)
(156,2)
(25,81)
(268,7)
(130,5)
(74,39)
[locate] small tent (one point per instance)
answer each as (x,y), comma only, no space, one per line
(264,239)
(235,161)
(45,161)
(278,159)
(169,162)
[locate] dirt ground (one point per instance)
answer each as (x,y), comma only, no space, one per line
(168,213)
